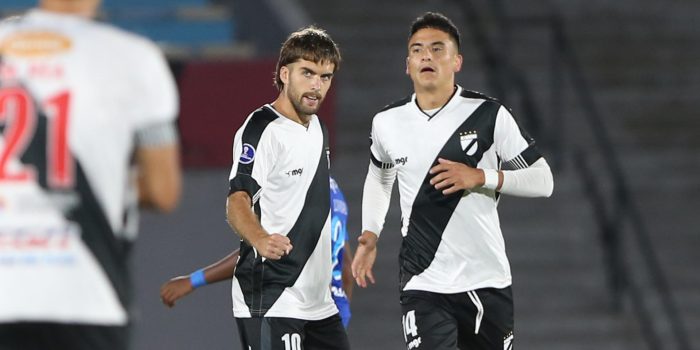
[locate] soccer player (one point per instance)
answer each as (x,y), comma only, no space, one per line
(86,134)
(454,152)
(341,284)
(279,205)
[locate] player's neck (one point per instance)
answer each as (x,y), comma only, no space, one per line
(284,107)
(82,8)
(431,98)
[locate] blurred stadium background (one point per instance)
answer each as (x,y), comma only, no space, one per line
(608,88)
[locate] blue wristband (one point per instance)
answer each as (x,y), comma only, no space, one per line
(197,279)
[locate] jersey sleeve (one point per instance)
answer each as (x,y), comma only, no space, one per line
(513,145)
(376,194)
(253,158)
(154,95)
(377,153)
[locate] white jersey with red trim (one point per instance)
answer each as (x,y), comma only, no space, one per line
(74,93)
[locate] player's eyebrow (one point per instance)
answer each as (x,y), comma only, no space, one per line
(434,43)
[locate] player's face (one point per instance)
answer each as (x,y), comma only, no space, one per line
(306,84)
(432,59)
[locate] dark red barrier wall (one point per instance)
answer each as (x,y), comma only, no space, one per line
(215,99)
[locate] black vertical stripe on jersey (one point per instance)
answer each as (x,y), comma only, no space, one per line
(111,252)
(243,181)
(431,210)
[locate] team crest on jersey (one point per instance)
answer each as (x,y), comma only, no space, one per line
(469,142)
(248,154)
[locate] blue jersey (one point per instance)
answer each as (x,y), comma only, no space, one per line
(339,235)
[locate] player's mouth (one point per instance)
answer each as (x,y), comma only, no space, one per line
(311,99)
(427,70)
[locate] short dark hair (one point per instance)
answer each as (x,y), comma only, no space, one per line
(437,21)
(309,43)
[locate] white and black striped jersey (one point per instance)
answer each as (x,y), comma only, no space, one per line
(74,96)
(451,243)
(283,166)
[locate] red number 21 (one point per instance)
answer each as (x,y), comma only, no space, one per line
(19,117)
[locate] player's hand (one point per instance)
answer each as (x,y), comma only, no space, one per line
(451,177)
(364,259)
(273,246)
(175,289)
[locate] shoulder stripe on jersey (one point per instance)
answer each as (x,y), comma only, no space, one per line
(526,158)
(398,103)
(480,96)
(273,277)
(477,95)
(431,210)
(243,181)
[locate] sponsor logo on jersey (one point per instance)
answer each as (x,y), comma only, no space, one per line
(30,246)
(35,44)
(469,142)
(401,161)
(295,172)
(248,154)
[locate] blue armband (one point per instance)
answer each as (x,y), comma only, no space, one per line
(197,279)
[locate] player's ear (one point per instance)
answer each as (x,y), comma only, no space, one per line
(284,75)
(458,63)
(407,71)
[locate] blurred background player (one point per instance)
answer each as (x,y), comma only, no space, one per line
(341,284)
(86,135)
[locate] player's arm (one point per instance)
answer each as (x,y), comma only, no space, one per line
(347,271)
(242,219)
(525,173)
(181,286)
(376,197)
(159,176)
(157,150)
(534,181)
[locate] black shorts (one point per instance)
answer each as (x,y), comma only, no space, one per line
(474,320)
(276,333)
(58,336)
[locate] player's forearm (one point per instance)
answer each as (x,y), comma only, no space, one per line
(376,197)
(159,179)
(223,269)
(534,181)
(242,219)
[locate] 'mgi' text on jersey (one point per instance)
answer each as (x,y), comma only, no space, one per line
(295,172)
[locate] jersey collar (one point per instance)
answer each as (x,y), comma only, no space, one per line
(457,91)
